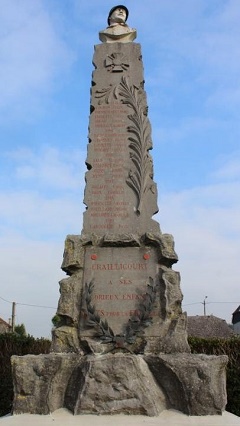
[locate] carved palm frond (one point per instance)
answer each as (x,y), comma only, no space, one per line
(142,317)
(93,319)
(136,324)
(140,142)
(106,95)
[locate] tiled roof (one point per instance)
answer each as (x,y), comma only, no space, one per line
(4,322)
(237,310)
(208,326)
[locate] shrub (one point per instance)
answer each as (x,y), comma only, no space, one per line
(15,344)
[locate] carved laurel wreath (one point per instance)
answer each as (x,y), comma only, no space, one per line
(140,177)
(135,325)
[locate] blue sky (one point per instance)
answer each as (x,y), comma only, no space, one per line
(191,60)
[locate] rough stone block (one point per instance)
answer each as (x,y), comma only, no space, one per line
(166,244)
(119,382)
(193,384)
(65,339)
(73,256)
(114,384)
(40,382)
(69,303)
(109,384)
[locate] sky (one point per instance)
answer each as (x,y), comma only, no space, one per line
(191,56)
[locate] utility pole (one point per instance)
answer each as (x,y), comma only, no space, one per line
(204,306)
(13,315)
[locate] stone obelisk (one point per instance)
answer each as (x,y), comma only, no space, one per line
(129,295)
(121,343)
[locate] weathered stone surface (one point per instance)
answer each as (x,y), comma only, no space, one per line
(73,256)
(130,300)
(166,244)
(65,339)
(119,383)
(40,382)
(171,292)
(120,194)
(119,289)
(193,384)
(121,240)
(172,337)
(117,280)
(110,384)
(114,384)
(69,304)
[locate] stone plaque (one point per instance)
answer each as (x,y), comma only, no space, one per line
(109,198)
(120,286)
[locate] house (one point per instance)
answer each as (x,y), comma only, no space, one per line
(208,326)
(236,320)
(4,327)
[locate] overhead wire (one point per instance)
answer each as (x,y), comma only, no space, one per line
(54,307)
(209,303)
(5,300)
(29,304)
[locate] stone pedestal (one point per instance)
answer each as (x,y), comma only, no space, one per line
(120,296)
(119,383)
(121,344)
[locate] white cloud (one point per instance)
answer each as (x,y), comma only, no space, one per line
(198,50)
(40,216)
(205,223)
(32,55)
(183,129)
(33,228)
(30,275)
(228,168)
(50,191)
(50,167)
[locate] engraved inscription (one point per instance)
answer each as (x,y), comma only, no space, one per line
(118,290)
(141,174)
(108,208)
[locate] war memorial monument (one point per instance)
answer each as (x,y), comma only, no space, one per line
(121,345)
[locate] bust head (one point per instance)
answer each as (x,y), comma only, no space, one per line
(118,14)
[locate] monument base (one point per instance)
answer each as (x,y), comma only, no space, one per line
(121,291)
(119,383)
(63,417)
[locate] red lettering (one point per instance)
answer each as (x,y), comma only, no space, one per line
(124,281)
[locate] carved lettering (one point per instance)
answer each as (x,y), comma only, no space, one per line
(119,266)
(125,282)
(118,283)
(122,297)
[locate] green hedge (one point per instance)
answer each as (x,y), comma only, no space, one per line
(13,344)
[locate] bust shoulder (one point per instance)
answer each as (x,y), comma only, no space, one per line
(118,32)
